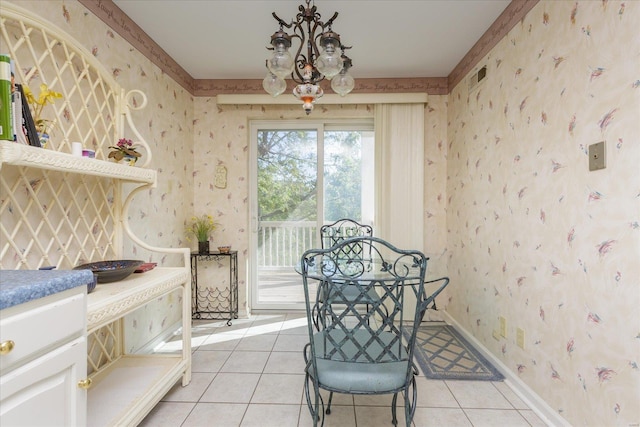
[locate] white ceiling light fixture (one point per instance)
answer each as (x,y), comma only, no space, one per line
(308,68)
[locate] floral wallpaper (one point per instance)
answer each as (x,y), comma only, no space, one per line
(166,125)
(533,235)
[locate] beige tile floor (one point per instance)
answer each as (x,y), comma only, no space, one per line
(251,374)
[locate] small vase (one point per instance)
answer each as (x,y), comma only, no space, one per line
(203,247)
(43,138)
(129,160)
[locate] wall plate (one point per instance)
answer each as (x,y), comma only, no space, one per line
(597,156)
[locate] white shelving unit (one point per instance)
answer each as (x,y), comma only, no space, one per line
(127,388)
(58,210)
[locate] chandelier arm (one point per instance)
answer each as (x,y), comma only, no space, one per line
(330,21)
(281,22)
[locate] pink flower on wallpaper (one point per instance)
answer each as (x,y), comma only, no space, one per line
(555,271)
(545,18)
(597,72)
(605,374)
(621,10)
(66,14)
(557,60)
(594,196)
(570,346)
(521,192)
(520,368)
(523,103)
(554,374)
(571,236)
(543,118)
(572,124)
(606,119)
(605,247)
(541,313)
(593,317)
(555,166)
(543,216)
(574,12)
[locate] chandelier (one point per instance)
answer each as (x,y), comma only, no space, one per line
(308,67)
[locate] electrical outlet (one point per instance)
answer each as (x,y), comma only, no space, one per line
(496,335)
(503,327)
(520,338)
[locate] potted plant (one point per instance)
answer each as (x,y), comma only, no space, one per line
(201,228)
(37,105)
(124,150)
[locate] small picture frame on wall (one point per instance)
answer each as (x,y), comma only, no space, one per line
(221,177)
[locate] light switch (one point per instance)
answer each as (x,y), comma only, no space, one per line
(597,156)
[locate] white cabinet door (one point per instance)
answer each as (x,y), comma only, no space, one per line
(45,391)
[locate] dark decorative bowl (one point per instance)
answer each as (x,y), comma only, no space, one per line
(92,286)
(111,271)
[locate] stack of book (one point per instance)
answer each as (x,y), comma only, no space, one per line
(16,121)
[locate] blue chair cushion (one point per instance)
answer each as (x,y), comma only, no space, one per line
(350,372)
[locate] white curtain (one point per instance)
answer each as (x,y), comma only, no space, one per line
(400,173)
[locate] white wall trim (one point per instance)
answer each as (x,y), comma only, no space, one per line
(331,98)
(519,387)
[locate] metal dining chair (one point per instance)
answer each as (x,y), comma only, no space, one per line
(337,232)
(363,352)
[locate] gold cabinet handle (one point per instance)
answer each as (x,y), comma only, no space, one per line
(84,384)
(6,347)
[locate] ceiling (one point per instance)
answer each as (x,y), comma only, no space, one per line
(227,39)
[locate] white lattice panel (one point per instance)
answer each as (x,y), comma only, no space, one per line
(88,111)
(55,219)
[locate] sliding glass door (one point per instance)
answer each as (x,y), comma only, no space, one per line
(303,175)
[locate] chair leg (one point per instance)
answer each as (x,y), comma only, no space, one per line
(394,418)
(328,411)
(410,403)
(316,408)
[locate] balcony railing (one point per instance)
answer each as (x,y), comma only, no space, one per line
(281,243)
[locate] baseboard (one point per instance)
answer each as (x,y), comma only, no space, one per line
(519,387)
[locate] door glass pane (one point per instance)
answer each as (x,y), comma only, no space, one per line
(287,210)
(348,175)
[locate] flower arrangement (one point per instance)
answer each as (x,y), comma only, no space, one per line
(45,97)
(201,227)
(123,148)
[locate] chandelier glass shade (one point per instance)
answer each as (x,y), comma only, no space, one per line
(323,58)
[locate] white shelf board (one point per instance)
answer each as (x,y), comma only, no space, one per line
(125,392)
(110,301)
(13,153)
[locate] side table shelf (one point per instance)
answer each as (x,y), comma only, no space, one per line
(214,303)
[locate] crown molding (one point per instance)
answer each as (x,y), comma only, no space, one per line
(513,13)
(118,21)
(430,85)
